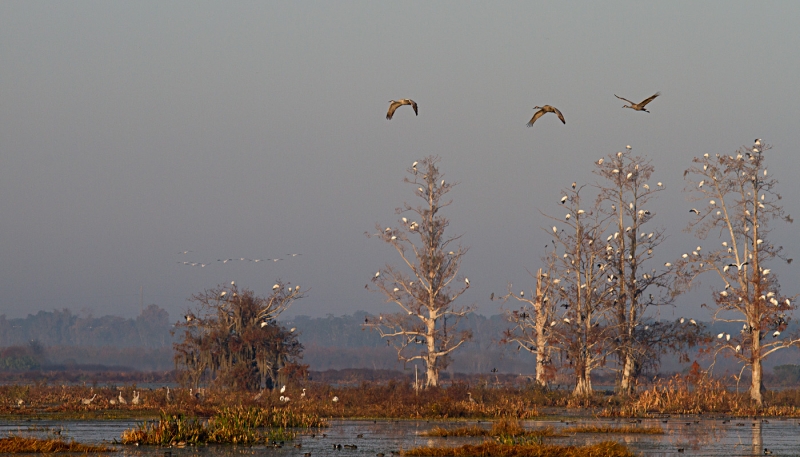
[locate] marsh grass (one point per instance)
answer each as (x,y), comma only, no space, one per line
(19,444)
(495,449)
(505,429)
(392,400)
(620,430)
(235,425)
(697,395)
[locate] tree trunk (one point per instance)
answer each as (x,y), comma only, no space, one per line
(757,383)
(542,349)
(431,373)
(541,360)
(431,367)
(628,369)
(583,385)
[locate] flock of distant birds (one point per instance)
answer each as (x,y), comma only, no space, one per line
(135,400)
(232,260)
(544,109)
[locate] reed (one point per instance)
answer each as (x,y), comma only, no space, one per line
(495,449)
(24,445)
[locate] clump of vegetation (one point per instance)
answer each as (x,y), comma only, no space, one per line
(621,430)
(473,430)
(495,449)
(20,444)
(688,395)
(506,427)
(236,425)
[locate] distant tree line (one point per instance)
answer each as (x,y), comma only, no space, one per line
(151,329)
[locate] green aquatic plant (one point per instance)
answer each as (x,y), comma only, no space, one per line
(234,425)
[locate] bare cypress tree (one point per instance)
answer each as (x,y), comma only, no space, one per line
(739,200)
(532,322)
(580,275)
(232,337)
(625,196)
(424,288)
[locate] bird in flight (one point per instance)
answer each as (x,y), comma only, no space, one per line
(394,104)
(545,109)
(639,106)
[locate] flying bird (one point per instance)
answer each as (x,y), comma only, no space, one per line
(394,104)
(545,109)
(639,106)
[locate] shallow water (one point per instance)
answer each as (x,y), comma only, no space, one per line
(704,437)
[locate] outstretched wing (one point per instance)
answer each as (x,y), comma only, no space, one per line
(648,100)
(537,115)
(414,105)
(392,108)
(560,116)
(624,99)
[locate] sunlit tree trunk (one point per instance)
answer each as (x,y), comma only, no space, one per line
(532,321)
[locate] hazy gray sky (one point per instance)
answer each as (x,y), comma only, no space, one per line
(130,131)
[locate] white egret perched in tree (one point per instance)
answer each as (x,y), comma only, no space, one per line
(394,104)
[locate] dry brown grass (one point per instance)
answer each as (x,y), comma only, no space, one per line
(396,400)
(26,445)
(682,395)
(620,430)
(489,448)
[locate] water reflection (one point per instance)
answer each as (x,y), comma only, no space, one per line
(758,441)
(697,437)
